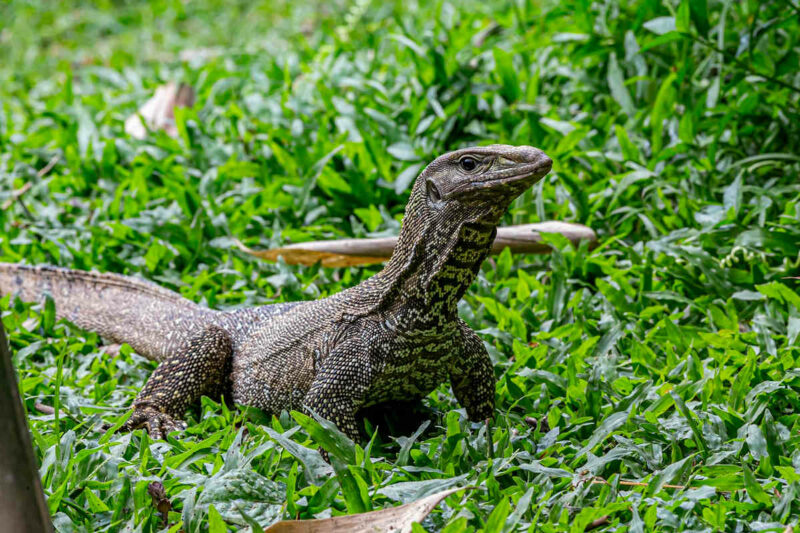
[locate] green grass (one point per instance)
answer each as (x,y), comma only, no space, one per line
(666,356)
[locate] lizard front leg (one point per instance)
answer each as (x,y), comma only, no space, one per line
(472,377)
(200,367)
(339,388)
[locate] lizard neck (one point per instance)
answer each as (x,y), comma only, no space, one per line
(437,257)
(423,283)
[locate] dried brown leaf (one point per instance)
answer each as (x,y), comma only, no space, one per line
(525,238)
(159,495)
(159,111)
(395,519)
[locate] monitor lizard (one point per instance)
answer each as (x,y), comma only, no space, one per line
(395,336)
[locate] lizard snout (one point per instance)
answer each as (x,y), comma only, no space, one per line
(527,155)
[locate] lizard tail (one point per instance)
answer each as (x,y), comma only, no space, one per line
(153,320)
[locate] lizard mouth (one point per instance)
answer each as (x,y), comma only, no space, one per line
(511,171)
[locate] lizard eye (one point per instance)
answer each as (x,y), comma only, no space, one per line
(433,192)
(468,163)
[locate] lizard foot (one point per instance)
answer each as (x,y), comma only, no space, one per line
(157,424)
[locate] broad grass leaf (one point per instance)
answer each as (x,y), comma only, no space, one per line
(780,292)
(660,25)
(316,469)
(608,340)
(407,442)
(409,491)
(637,524)
(754,489)
(562,127)
(96,505)
(49,314)
(403,151)
(232,491)
(215,522)
(255,527)
(194,450)
(610,424)
(406,178)
(537,468)
(371,217)
(332,183)
(732,196)
(520,508)
(459,525)
(629,150)
(793,329)
(497,518)
(668,475)
(682,18)
(756,442)
(587,515)
(727,483)
(616,82)
(354,490)
(662,108)
(324,497)
(327,435)
(690,419)
(661,40)
(411,45)
(778,241)
(504,66)
(788,473)
(699,12)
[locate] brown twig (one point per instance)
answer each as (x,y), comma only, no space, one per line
(48,167)
(48,410)
(17,195)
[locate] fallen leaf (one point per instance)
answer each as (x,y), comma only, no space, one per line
(159,111)
(521,239)
(394,519)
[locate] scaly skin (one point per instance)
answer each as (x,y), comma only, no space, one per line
(396,336)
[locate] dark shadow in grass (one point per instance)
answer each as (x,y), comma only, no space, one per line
(398,419)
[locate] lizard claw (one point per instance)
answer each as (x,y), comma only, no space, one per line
(157,424)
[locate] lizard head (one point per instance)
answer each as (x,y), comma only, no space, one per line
(478,184)
(454,208)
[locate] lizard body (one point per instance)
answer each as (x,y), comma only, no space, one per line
(395,336)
